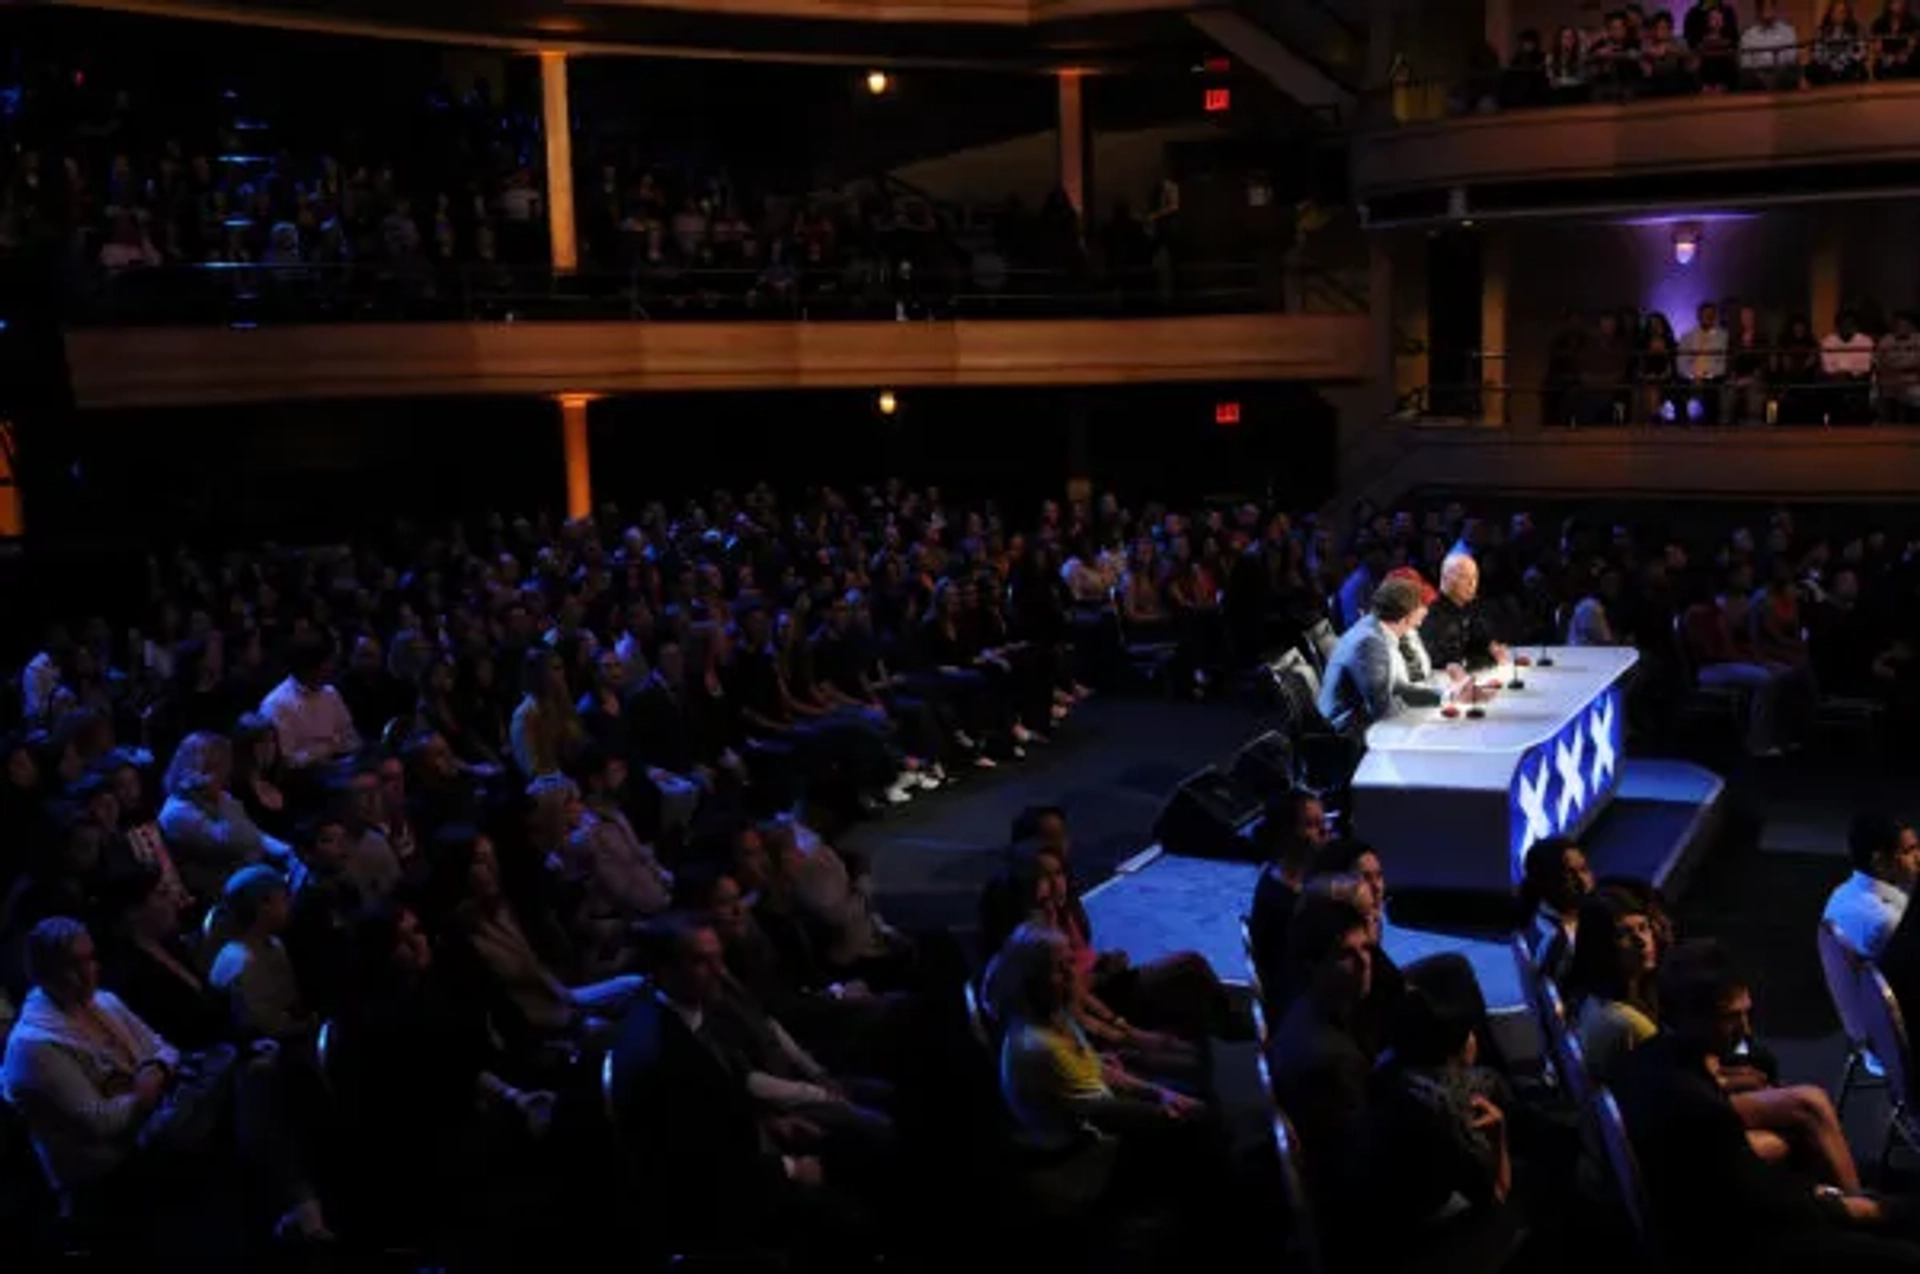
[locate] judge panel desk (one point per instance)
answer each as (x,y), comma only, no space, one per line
(1454,802)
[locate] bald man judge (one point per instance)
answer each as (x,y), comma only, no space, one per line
(1456,629)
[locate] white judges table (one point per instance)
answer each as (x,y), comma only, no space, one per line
(1453,802)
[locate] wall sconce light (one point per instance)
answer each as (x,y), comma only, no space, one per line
(1686,243)
(887,403)
(878,82)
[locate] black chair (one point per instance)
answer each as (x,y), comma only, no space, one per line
(1301,1246)
(1624,1169)
(1318,642)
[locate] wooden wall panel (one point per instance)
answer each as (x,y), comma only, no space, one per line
(1878,465)
(136,367)
(1870,123)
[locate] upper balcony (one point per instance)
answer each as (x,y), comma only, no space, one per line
(1452,151)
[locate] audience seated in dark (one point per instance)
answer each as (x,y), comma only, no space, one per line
(1713,1197)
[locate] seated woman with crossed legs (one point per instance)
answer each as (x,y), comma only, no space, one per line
(1616,959)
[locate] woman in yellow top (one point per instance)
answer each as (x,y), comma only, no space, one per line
(1067,1101)
(1610,980)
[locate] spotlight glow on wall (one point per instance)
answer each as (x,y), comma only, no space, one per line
(1686,242)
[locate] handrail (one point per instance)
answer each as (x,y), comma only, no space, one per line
(253,293)
(1810,64)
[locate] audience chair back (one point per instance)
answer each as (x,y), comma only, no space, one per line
(1569,1062)
(1884,1032)
(216,930)
(1535,987)
(1302,1239)
(1298,680)
(1253,965)
(324,1042)
(977,1024)
(609,1103)
(1844,968)
(1625,1169)
(1318,642)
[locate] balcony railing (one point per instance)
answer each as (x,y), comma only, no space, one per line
(252,294)
(1784,392)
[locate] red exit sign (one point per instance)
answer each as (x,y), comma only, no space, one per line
(1218,100)
(1226,413)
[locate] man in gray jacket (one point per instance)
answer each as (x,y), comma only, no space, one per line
(1367,677)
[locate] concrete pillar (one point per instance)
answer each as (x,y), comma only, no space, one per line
(1495,263)
(573,442)
(1824,273)
(563,230)
(1072,135)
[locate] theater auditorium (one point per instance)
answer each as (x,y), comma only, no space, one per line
(807,636)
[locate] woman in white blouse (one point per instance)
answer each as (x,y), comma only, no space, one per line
(209,831)
(88,1078)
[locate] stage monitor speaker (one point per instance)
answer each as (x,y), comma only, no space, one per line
(1210,815)
(1264,765)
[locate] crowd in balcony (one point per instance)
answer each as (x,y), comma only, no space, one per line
(464,893)
(1711,47)
(154,193)
(120,169)
(1728,368)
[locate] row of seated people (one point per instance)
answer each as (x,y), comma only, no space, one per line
(1424,1148)
(1710,49)
(1628,368)
(529,839)
(111,168)
(1725,1152)
(1787,618)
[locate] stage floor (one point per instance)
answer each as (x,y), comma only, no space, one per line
(1156,903)
(1195,904)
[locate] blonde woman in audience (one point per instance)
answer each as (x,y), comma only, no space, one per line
(545,727)
(1074,1108)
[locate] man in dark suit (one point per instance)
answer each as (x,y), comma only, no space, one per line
(1320,1071)
(1367,678)
(1456,631)
(1714,1201)
(1292,833)
(705,1161)
(657,715)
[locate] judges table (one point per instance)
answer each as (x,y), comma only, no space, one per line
(1453,802)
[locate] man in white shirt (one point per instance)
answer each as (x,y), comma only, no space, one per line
(1846,360)
(1703,364)
(308,714)
(1769,58)
(1867,906)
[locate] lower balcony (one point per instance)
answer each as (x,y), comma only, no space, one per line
(163,366)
